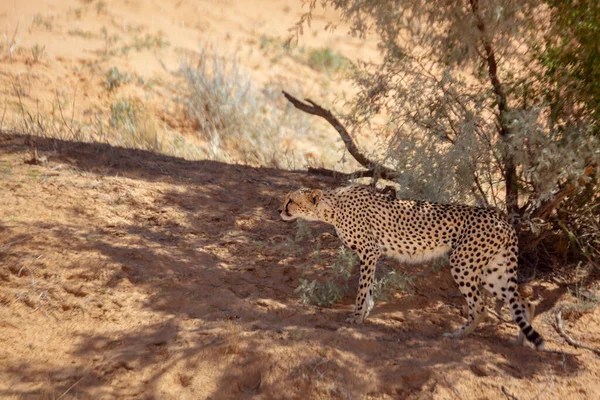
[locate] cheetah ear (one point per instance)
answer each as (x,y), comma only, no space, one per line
(316,195)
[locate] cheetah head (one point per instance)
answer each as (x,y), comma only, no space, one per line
(302,203)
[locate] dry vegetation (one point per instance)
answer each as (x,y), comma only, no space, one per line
(140,252)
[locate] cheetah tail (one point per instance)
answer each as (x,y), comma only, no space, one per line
(523,315)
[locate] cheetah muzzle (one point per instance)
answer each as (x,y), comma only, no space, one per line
(481,243)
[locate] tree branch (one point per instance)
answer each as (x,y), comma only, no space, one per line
(510,169)
(343,175)
(374,169)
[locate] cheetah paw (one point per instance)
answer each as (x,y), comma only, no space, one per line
(354,319)
(452,335)
(519,341)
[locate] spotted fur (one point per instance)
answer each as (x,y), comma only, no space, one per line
(482,245)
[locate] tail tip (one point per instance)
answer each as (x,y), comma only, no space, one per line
(536,339)
(540,344)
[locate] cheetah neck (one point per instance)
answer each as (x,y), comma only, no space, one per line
(325,209)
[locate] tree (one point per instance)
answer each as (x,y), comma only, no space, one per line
(473,94)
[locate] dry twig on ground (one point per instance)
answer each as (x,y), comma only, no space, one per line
(569,339)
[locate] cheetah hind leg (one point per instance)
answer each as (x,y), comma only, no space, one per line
(468,327)
(369,303)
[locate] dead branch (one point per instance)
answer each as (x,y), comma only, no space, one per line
(373,168)
(547,207)
(341,175)
(569,339)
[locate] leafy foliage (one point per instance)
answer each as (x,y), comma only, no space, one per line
(571,58)
(493,103)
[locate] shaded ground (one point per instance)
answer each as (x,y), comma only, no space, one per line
(125,274)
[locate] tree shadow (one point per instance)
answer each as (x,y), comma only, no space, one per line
(218,273)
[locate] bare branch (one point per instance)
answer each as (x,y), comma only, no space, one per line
(374,168)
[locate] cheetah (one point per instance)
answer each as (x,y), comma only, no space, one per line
(482,245)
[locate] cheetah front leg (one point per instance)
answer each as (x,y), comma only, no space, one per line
(364,299)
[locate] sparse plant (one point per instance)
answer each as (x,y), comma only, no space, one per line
(101,7)
(134,125)
(584,294)
(326,60)
(232,338)
(37,52)
(274,47)
(109,40)
(114,79)
(82,33)
(41,21)
(149,42)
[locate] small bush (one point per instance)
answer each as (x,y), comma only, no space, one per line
(303,230)
(227,111)
(320,294)
(334,289)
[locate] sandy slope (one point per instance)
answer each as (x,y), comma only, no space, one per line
(63,50)
(125,274)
